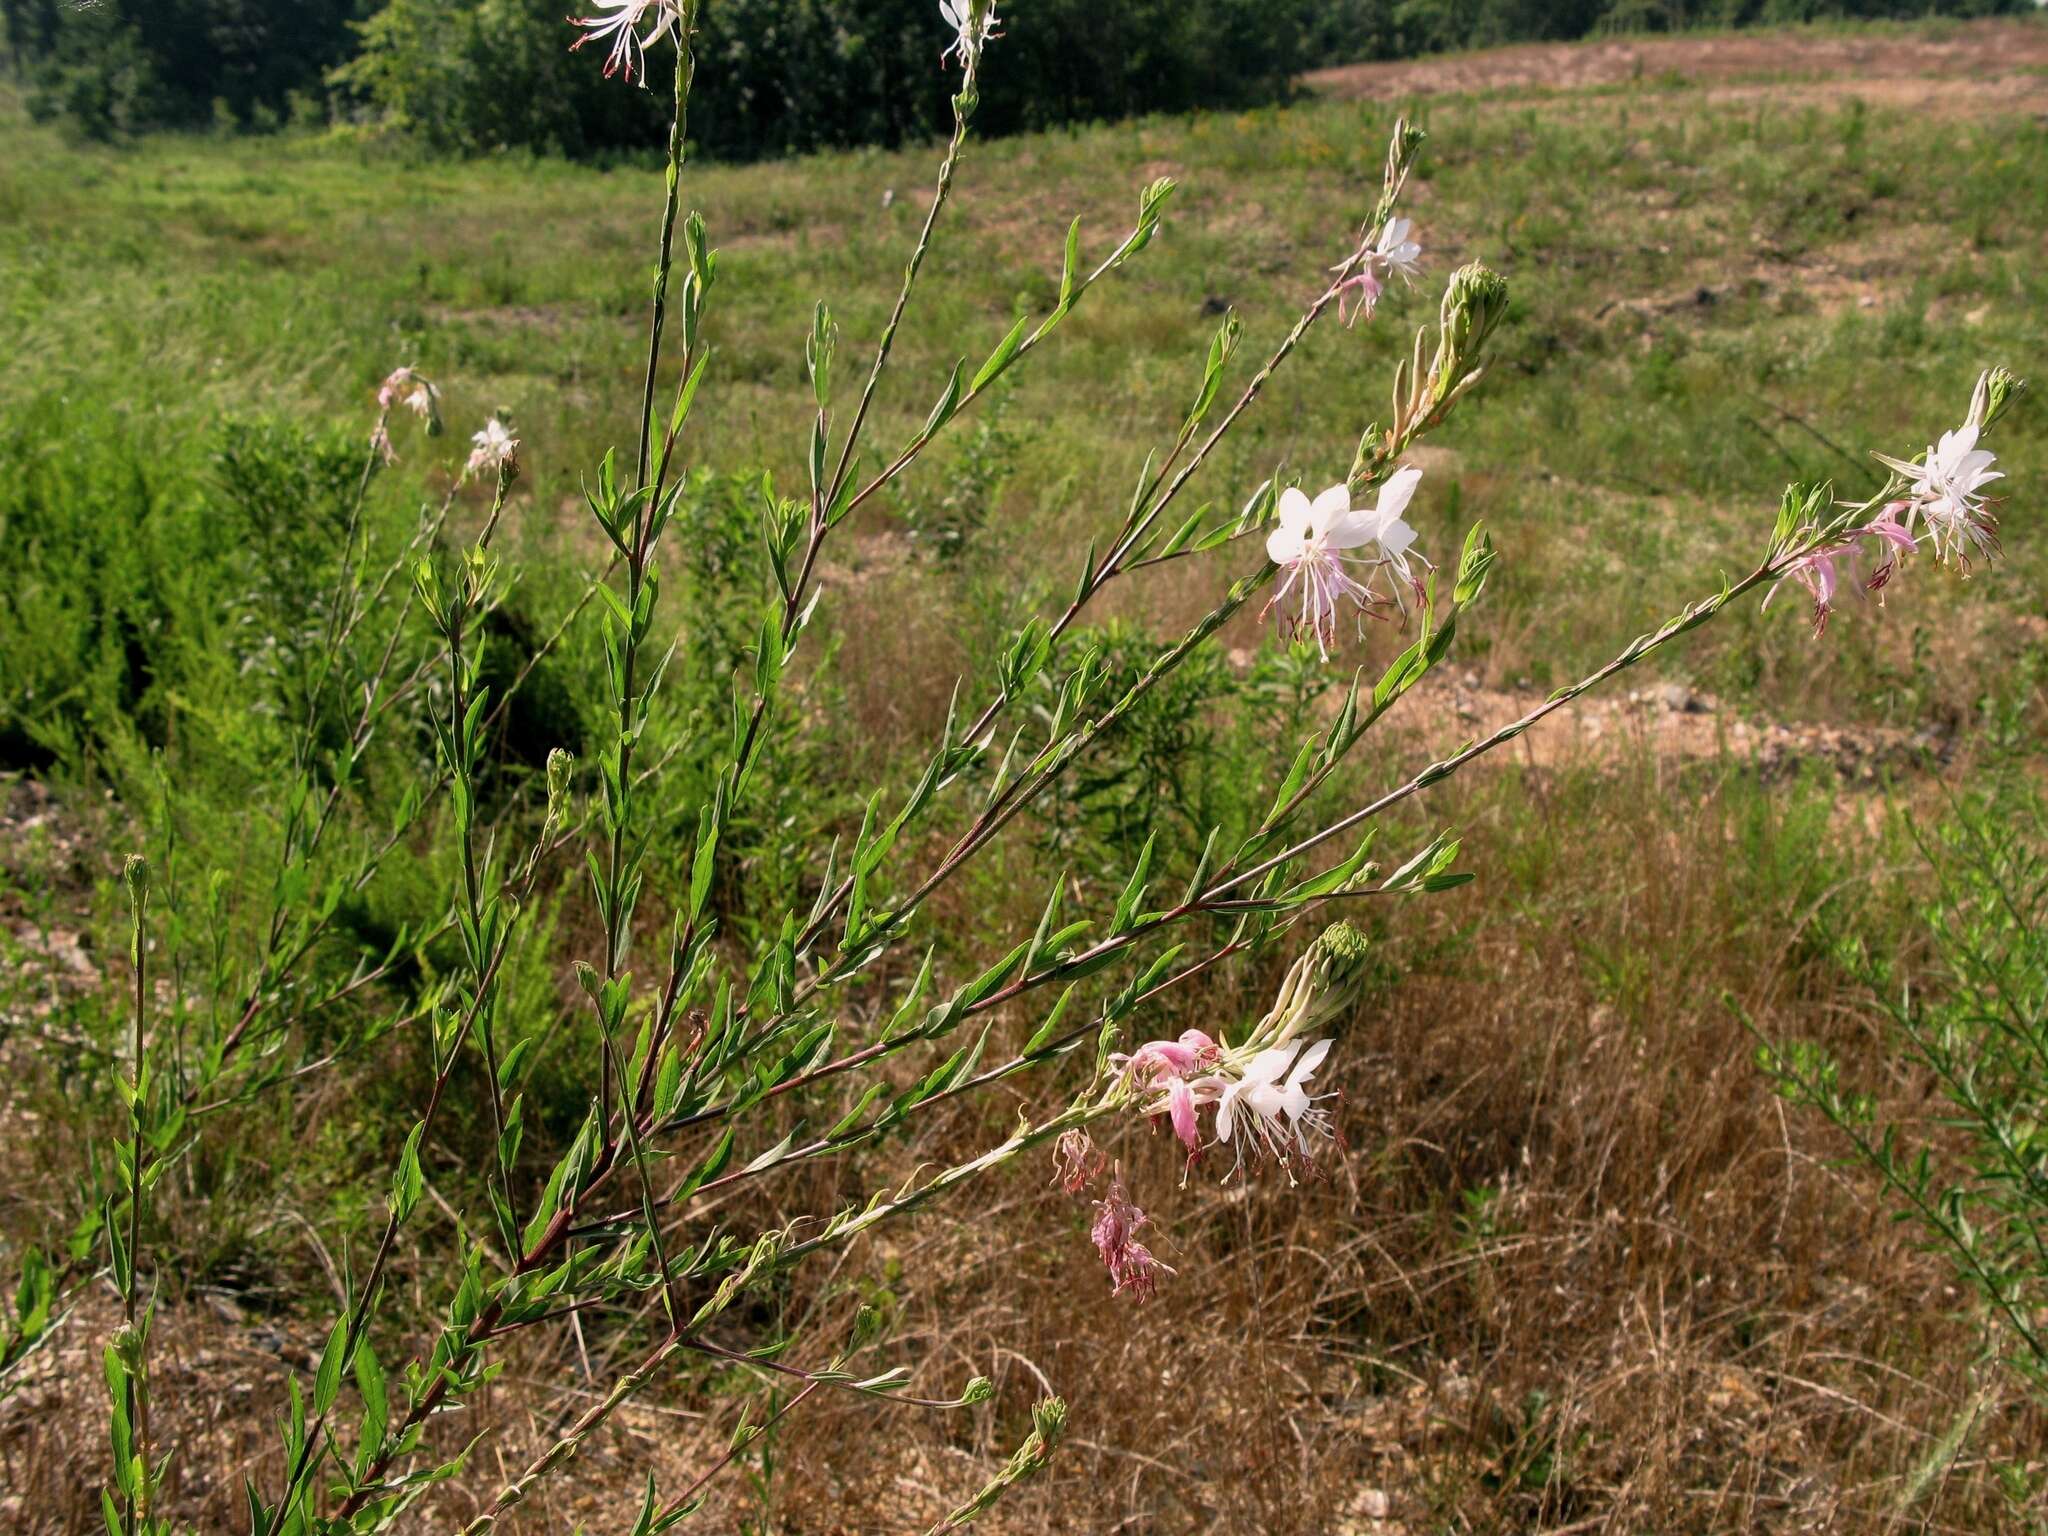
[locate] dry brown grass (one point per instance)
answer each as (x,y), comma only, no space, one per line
(1672,1312)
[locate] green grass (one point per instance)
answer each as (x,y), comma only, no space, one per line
(1712,297)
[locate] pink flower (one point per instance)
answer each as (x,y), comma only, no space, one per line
(1359,294)
(1157,1058)
(1167,1067)
(629,48)
(1115,1235)
(1823,571)
(411,388)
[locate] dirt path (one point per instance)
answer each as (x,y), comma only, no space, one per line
(1998,65)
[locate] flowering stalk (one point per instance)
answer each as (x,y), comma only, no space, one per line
(1048,1423)
(683,20)
(1130,539)
(486,927)
(127,1356)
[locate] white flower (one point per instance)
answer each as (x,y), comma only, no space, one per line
(1946,493)
(1308,540)
(496,449)
(1392,252)
(1269,1116)
(620,24)
(1396,252)
(973,23)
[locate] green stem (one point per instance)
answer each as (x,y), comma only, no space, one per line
(685,71)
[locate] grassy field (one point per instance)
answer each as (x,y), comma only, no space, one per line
(1581,1271)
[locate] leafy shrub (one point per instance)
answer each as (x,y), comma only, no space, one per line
(1972,1179)
(783,76)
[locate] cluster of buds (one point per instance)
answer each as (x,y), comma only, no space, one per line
(1943,507)
(413,390)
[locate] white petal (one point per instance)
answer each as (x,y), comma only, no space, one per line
(1267,1066)
(1226,1113)
(1329,507)
(1352,529)
(1396,537)
(1294,509)
(1311,1058)
(1398,492)
(1283,545)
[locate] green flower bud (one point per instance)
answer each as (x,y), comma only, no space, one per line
(561,768)
(1049,1421)
(1320,987)
(136,873)
(1996,389)
(1475,301)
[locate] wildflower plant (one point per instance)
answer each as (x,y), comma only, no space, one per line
(694,1031)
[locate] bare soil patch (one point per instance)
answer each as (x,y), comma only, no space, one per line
(2003,62)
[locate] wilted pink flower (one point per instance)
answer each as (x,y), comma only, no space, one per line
(1308,542)
(412,389)
(380,443)
(1829,570)
(1359,294)
(1115,1234)
(496,449)
(629,48)
(1075,1161)
(1945,493)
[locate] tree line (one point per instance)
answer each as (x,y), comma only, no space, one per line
(776,76)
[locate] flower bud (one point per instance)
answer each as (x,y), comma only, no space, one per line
(1475,301)
(1049,1420)
(561,768)
(867,1327)
(1320,987)
(136,874)
(1996,389)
